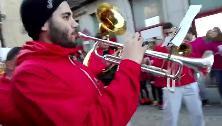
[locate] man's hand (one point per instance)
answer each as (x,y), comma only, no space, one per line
(133,49)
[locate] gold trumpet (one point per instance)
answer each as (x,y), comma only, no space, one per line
(183,50)
(112,21)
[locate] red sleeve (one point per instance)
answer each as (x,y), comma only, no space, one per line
(96,64)
(8,112)
(158,62)
(39,102)
(121,97)
(45,101)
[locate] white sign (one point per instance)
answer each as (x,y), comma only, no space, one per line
(153,32)
(152,21)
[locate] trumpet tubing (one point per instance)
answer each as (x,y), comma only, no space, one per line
(205,62)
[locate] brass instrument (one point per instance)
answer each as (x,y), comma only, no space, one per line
(183,50)
(206,61)
(112,21)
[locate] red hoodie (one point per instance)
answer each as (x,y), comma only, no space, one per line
(8,111)
(187,75)
(159,81)
(200,45)
(51,90)
(95,63)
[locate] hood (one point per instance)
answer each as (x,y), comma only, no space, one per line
(38,49)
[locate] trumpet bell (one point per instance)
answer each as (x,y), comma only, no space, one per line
(184,49)
(103,30)
(111,19)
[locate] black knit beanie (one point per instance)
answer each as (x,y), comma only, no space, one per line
(34,14)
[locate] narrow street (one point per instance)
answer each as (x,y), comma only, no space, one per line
(152,116)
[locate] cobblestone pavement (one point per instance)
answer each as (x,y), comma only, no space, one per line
(152,116)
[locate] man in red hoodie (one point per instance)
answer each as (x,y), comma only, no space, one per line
(186,90)
(51,89)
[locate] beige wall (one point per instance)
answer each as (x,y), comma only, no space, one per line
(175,12)
(13,29)
(13,32)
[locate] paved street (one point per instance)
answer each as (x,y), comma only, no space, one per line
(152,116)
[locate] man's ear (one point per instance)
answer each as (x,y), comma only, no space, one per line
(45,27)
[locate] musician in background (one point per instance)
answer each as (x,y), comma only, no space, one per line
(51,88)
(7,108)
(144,80)
(186,90)
(10,62)
(159,81)
(212,41)
(190,35)
(199,75)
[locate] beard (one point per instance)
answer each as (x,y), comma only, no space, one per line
(60,37)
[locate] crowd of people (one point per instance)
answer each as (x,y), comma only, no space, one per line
(51,81)
(191,86)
